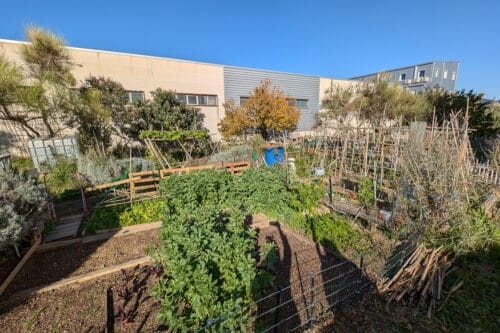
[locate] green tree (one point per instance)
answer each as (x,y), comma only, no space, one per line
(100,112)
(483,117)
(163,112)
(48,65)
(339,102)
(13,95)
(382,100)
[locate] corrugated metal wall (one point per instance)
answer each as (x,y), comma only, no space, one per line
(240,82)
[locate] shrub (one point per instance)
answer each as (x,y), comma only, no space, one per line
(236,153)
(125,215)
(20,199)
(209,268)
(61,176)
(97,168)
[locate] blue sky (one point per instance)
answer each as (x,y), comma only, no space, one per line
(328,38)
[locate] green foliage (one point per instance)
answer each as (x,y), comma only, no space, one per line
(125,215)
(61,177)
(194,189)
(49,66)
(235,153)
(209,268)
(334,233)
(174,135)
(265,281)
(20,199)
(365,191)
(163,112)
(474,306)
(475,232)
(97,168)
(21,163)
(306,197)
(381,99)
(101,106)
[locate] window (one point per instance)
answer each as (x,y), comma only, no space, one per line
(202,100)
(181,98)
(190,99)
(135,96)
(243,100)
(445,74)
(211,100)
(421,74)
(402,76)
(302,104)
(436,72)
(453,76)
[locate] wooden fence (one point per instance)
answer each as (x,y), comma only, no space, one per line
(147,183)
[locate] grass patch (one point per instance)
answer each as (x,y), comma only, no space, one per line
(475,306)
(21,163)
(125,215)
(30,322)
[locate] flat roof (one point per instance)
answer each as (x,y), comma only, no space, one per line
(400,68)
(175,59)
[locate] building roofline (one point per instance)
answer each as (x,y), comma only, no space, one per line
(181,60)
(399,68)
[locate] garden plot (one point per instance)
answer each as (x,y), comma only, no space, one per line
(73,260)
(83,306)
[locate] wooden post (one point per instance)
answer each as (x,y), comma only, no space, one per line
(132,187)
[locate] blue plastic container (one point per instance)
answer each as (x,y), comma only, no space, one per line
(274,155)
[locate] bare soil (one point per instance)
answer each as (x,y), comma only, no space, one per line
(51,266)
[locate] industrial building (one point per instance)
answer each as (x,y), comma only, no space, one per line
(202,85)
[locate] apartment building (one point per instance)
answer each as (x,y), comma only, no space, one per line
(416,78)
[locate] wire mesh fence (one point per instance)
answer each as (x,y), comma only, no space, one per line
(300,305)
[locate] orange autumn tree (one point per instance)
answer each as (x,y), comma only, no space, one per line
(267,109)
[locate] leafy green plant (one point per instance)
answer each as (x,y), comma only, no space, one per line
(365,191)
(333,232)
(21,163)
(174,135)
(209,268)
(61,176)
(125,215)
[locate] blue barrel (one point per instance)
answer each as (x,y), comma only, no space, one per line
(274,155)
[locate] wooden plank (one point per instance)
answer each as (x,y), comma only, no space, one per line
(146,187)
(82,278)
(107,185)
(146,180)
(20,265)
(144,173)
(101,235)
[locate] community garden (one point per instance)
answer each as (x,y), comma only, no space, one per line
(148,224)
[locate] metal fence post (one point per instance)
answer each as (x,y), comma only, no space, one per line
(361,259)
(210,322)
(312,304)
(277,311)
(330,190)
